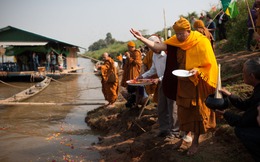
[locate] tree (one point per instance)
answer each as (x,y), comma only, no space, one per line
(109,39)
(97,45)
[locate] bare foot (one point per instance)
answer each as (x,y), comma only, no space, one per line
(193,149)
(177,145)
(110,106)
(106,105)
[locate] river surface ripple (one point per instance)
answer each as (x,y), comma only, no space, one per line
(51,133)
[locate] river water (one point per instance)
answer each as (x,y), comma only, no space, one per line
(51,133)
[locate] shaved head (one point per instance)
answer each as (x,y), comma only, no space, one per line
(105,54)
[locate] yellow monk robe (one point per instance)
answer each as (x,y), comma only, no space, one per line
(150,89)
(110,90)
(132,67)
(195,52)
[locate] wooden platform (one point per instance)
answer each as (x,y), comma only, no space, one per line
(35,75)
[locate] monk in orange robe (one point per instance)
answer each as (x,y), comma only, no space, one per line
(132,69)
(194,53)
(200,27)
(147,64)
(110,89)
(120,60)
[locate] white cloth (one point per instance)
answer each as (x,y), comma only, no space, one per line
(116,64)
(221,18)
(158,66)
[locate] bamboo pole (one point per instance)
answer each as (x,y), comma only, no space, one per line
(55,80)
(89,58)
(165,29)
(10,84)
(48,104)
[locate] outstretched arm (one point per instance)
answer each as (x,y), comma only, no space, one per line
(154,46)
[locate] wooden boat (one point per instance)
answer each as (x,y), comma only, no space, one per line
(33,90)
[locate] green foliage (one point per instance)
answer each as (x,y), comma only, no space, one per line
(237,31)
(101,43)
(114,50)
(97,45)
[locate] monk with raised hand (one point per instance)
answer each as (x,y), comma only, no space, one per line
(191,51)
(110,88)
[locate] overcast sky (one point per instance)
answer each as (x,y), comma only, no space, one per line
(82,22)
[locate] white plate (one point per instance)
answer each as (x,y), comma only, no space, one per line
(181,73)
(142,82)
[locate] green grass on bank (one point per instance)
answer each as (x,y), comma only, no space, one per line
(114,50)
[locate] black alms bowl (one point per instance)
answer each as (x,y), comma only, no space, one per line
(216,103)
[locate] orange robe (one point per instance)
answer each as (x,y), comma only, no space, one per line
(150,89)
(120,58)
(132,67)
(195,52)
(148,60)
(110,90)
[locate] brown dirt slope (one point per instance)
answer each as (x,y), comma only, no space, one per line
(129,139)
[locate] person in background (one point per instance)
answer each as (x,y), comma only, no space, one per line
(132,70)
(143,52)
(222,18)
(200,27)
(109,89)
(24,61)
(211,25)
(147,64)
(192,51)
(251,23)
(246,125)
(48,61)
(201,16)
(35,61)
(53,62)
(167,108)
(120,61)
(60,61)
(257,2)
(124,60)
(192,21)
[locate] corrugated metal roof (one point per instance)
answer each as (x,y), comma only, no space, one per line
(23,43)
(12,34)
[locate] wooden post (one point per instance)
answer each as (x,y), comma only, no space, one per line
(218,94)
(165,28)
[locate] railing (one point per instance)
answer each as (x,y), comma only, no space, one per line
(9,66)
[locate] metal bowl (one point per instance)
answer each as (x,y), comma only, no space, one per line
(216,103)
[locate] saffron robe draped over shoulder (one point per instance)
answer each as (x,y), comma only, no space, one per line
(110,90)
(199,55)
(195,52)
(132,67)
